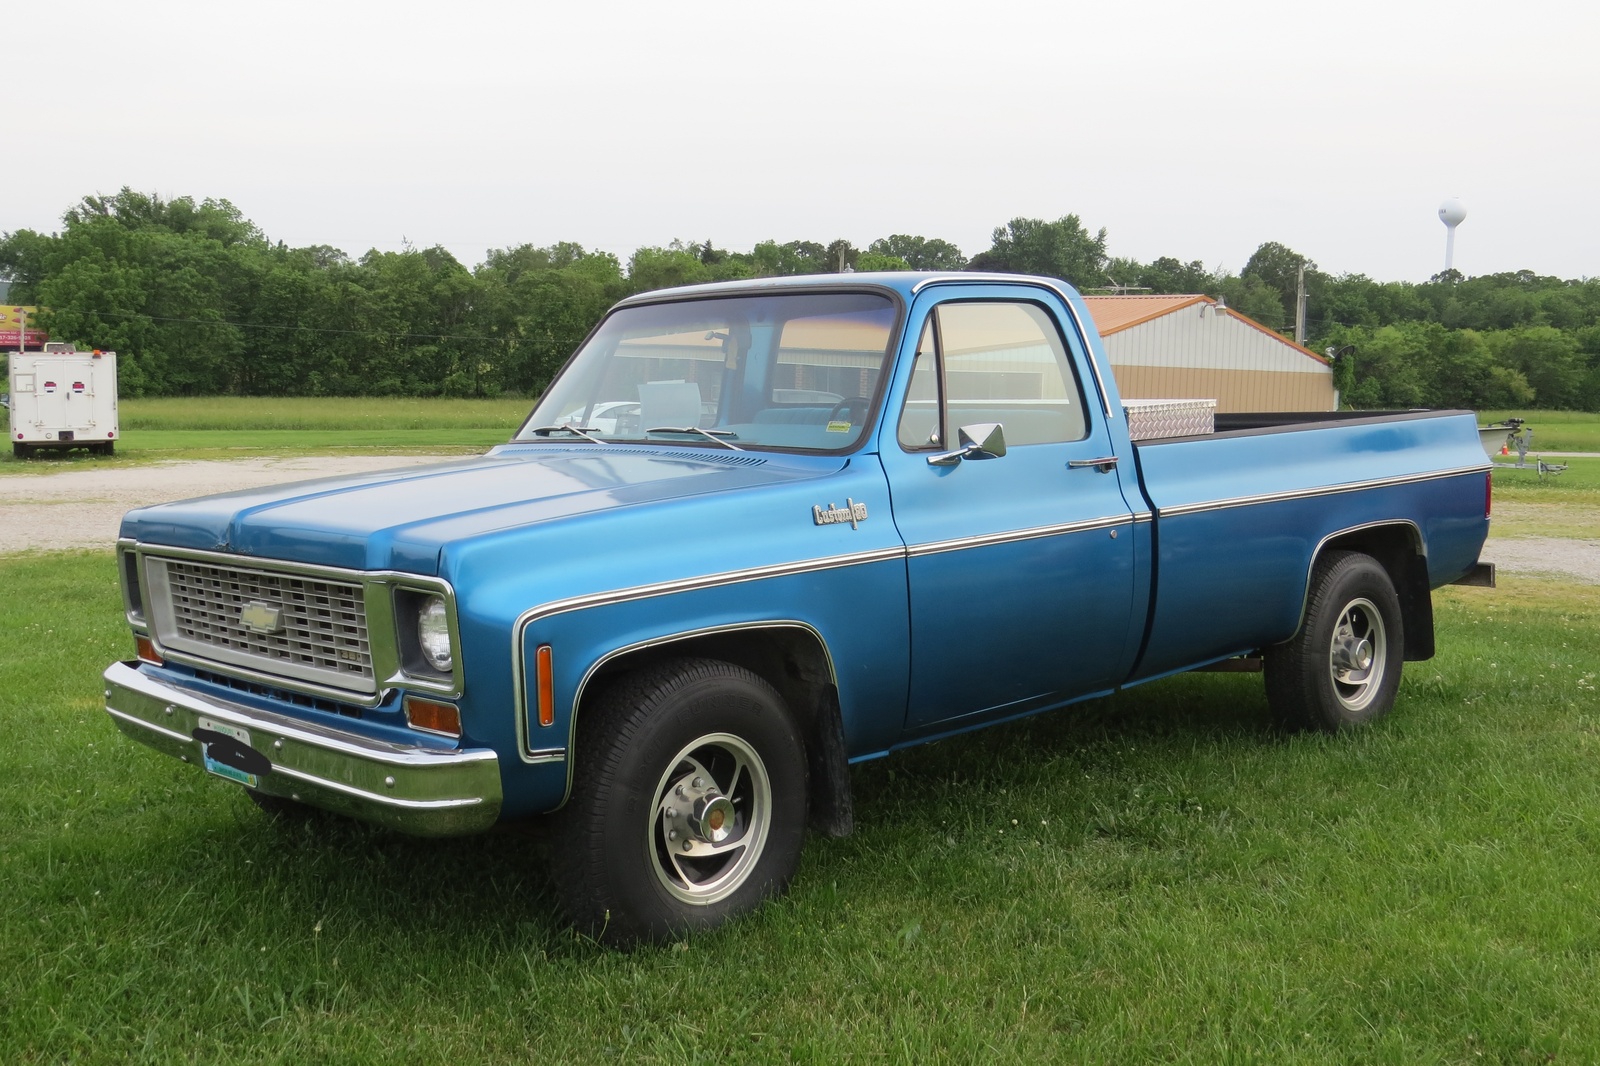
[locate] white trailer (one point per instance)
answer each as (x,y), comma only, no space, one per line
(63,398)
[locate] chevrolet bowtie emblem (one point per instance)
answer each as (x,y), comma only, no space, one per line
(261,617)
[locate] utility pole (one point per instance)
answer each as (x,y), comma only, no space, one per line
(1300,304)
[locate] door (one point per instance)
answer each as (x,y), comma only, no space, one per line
(77,379)
(80,394)
(52,385)
(1020,566)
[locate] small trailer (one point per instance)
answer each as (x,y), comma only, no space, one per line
(63,398)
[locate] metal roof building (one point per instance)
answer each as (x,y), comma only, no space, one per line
(1194,347)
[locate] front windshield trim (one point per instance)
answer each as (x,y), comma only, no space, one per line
(865,441)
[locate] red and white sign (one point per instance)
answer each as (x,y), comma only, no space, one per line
(34,338)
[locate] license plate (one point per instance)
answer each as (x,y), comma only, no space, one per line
(222,769)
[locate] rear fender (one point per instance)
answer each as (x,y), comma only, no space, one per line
(1399,548)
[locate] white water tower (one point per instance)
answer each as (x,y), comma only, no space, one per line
(1452,214)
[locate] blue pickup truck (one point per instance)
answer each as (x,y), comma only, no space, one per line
(756,532)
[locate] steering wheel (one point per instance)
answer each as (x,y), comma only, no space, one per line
(855,408)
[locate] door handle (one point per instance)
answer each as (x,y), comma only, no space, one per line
(1102,464)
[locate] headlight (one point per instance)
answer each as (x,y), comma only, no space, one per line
(433,634)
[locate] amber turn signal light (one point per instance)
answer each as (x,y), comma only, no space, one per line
(433,716)
(145,648)
(547,686)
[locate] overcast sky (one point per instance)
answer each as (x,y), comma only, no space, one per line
(1191,130)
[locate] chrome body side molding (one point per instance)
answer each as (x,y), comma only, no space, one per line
(1319,490)
(1011,535)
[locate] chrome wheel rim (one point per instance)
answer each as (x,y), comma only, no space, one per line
(1357,654)
(710,819)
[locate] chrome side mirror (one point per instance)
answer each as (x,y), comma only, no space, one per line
(984,440)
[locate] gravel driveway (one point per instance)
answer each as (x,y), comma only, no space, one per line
(1578,560)
(84,508)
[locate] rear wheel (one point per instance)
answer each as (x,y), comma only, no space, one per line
(22,451)
(1343,668)
(688,802)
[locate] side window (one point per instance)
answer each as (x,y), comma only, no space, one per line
(1005,362)
(919,418)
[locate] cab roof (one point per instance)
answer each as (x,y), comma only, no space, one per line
(904,282)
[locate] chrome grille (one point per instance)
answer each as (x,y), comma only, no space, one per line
(319,627)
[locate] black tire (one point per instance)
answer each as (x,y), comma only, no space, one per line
(1343,668)
(22,451)
(640,792)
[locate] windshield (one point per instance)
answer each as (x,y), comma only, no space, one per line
(796,371)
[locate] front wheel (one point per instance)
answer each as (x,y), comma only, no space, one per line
(688,802)
(1343,668)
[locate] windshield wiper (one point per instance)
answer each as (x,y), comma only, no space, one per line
(716,436)
(581,431)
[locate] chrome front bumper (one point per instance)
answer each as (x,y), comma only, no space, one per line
(425,791)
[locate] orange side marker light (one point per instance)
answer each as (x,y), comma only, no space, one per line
(544,660)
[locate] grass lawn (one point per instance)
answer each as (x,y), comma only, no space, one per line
(1156,877)
(1578,482)
(385,414)
(232,427)
(1563,505)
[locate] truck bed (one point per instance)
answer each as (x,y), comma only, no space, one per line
(1240,514)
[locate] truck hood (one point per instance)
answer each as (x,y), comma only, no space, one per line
(402,519)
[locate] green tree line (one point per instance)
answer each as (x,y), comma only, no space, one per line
(197,301)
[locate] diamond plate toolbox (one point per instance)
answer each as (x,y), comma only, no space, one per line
(1154,419)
